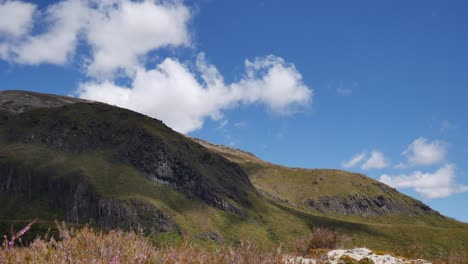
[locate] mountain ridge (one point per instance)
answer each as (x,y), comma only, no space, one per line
(89,162)
(350,204)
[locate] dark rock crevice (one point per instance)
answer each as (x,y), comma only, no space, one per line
(173,160)
(366,206)
(80,203)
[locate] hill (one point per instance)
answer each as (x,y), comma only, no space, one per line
(329,192)
(88,162)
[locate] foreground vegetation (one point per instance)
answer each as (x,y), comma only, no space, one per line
(86,245)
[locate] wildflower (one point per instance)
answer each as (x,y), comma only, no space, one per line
(14,236)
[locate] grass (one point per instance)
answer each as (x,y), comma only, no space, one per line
(90,246)
(396,232)
(87,245)
(267,222)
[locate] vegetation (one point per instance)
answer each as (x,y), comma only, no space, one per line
(88,245)
(78,145)
(320,238)
(289,188)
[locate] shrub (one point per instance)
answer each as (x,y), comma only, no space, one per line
(349,260)
(453,257)
(415,251)
(345,259)
(366,261)
(320,238)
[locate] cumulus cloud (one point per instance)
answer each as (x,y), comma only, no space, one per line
(425,152)
(119,36)
(17,18)
(183,99)
(438,184)
(355,160)
(119,32)
(63,21)
(374,160)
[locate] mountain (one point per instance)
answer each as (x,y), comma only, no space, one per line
(86,162)
(329,192)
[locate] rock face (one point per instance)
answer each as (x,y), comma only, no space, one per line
(365,206)
(79,202)
(327,191)
(16,102)
(78,127)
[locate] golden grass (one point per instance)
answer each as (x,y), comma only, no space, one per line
(87,245)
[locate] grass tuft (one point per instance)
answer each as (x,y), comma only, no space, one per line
(87,245)
(320,238)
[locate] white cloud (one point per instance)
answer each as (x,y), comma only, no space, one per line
(17,18)
(272,81)
(374,160)
(377,160)
(439,184)
(424,152)
(174,94)
(63,22)
(120,33)
(355,160)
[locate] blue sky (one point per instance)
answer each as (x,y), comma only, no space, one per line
(310,84)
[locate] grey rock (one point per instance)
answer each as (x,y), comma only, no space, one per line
(79,203)
(366,206)
(16,102)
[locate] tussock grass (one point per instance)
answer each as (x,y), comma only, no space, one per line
(319,242)
(87,245)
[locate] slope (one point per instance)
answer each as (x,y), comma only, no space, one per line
(87,162)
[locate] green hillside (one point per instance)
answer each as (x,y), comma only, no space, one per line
(92,163)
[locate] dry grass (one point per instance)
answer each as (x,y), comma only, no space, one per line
(321,238)
(90,246)
(87,245)
(453,257)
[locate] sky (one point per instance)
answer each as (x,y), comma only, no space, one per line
(375,87)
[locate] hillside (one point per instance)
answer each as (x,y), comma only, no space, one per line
(87,162)
(329,192)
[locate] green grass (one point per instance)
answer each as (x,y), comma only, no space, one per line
(266,222)
(396,232)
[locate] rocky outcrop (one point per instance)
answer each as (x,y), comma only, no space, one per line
(78,201)
(357,255)
(365,206)
(16,102)
(164,156)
